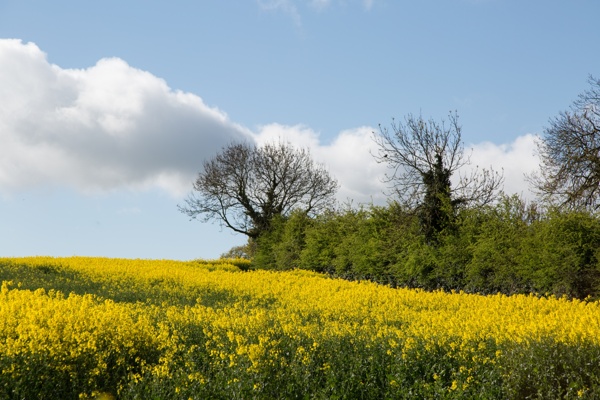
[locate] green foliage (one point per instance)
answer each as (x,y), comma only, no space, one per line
(437,210)
(280,246)
(321,240)
(496,244)
(509,247)
(365,243)
(562,254)
(547,369)
(245,251)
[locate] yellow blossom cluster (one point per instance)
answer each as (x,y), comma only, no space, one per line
(113,325)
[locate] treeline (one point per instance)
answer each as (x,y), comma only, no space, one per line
(448,226)
(508,247)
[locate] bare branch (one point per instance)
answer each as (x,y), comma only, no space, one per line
(245,187)
(410,151)
(570,154)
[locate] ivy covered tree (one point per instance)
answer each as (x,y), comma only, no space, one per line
(435,213)
(422,157)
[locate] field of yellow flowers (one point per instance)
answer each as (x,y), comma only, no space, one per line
(98,328)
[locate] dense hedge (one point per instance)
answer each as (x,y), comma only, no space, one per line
(508,248)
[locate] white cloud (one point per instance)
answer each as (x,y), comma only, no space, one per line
(286,6)
(290,7)
(112,126)
(516,159)
(320,4)
(368,4)
(298,135)
(348,158)
(104,127)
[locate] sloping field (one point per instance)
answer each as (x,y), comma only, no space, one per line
(77,327)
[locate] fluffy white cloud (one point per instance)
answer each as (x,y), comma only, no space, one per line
(516,159)
(104,127)
(112,126)
(348,158)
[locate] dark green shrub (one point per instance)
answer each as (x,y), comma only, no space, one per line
(561,255)
(497,236)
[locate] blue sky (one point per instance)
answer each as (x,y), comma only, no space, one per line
(108,109)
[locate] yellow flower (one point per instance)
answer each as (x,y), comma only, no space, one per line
(152,318)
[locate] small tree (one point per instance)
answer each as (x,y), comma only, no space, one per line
(570,154)
(423,156)
(244,187)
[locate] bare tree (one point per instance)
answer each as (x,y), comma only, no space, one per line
(569,150)
(423,156)
(245,186)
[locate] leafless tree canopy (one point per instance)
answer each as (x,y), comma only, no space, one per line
(570,154)
(245,187)
(413,150)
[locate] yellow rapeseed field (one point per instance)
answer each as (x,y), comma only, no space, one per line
(115,328)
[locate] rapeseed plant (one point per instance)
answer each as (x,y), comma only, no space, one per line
(91,327)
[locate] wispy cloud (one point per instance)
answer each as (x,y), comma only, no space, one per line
(368,4)
(286,6)
(291,7)
(320,4)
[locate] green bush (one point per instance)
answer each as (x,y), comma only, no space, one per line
(561,254)
(508,247)
(497,235)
